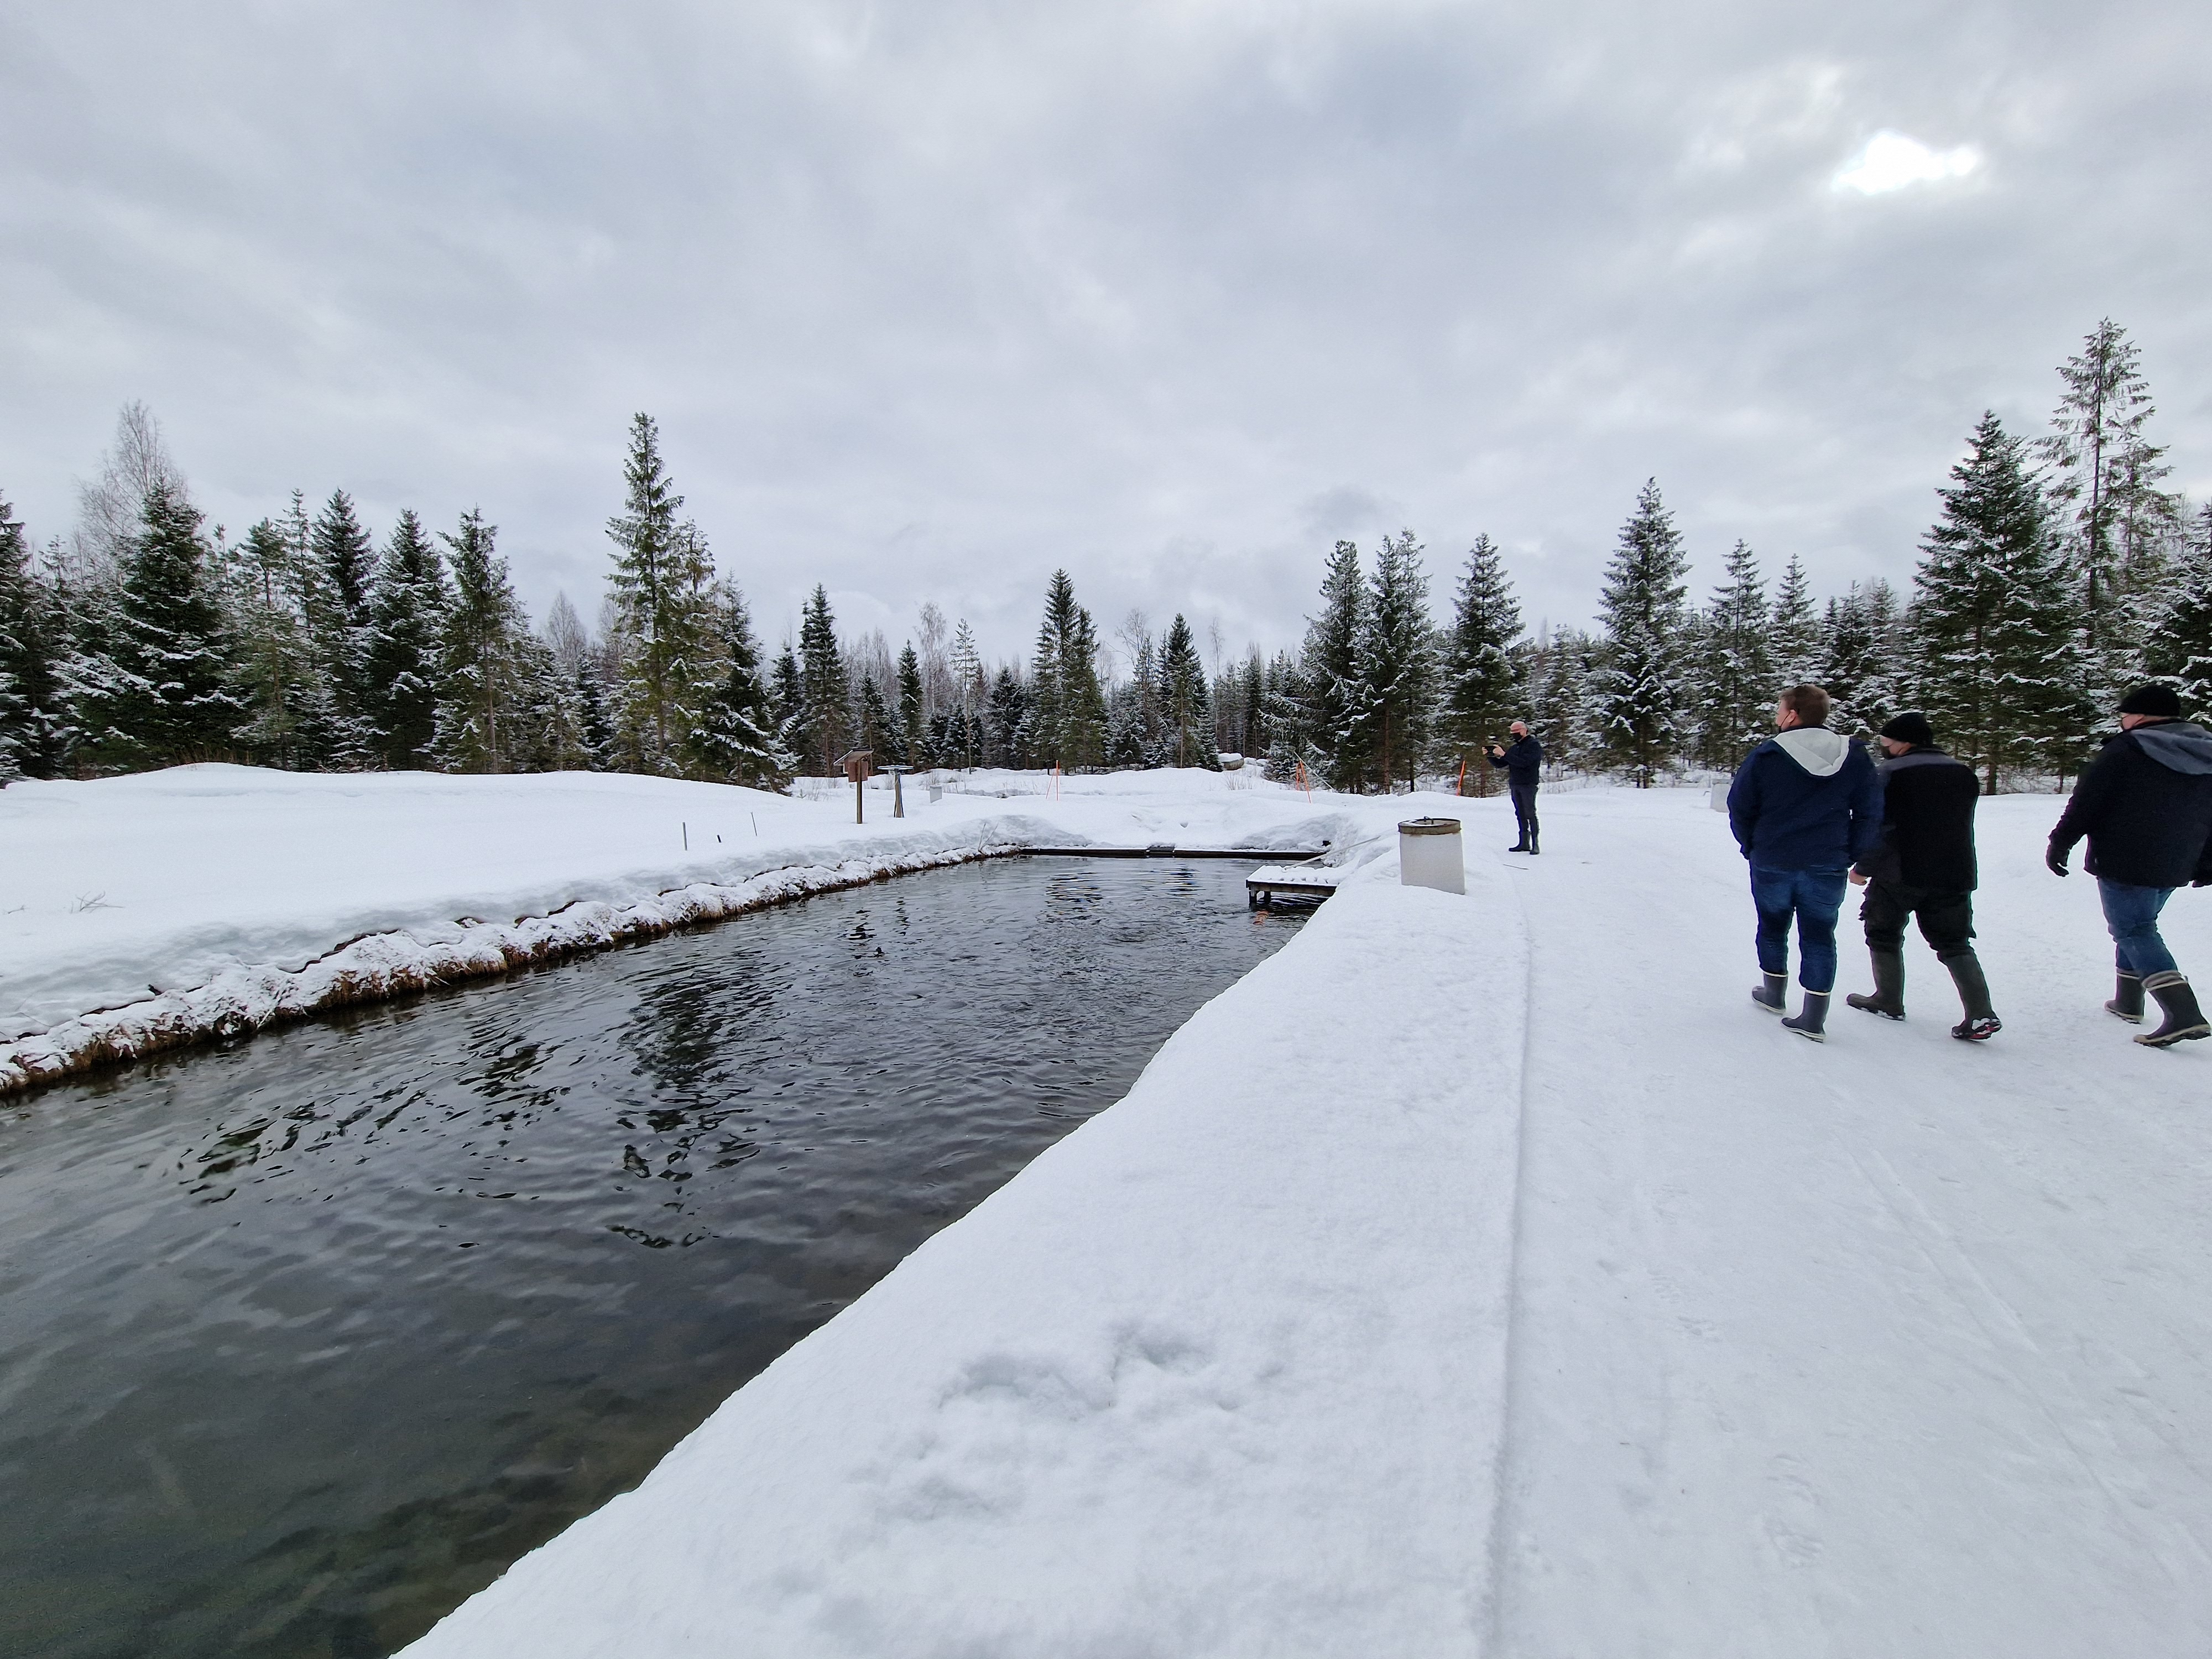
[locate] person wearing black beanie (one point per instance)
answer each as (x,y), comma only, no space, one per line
(1924,868)
(2145,805)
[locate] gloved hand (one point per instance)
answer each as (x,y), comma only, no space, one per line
(2054,860)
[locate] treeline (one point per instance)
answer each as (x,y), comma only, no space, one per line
(148,640)
(2059,570)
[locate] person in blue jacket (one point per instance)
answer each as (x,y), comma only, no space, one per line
(1805,807)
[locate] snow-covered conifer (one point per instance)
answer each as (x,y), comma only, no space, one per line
(2178,650)
(1188,737)
(408,598)
(271,651)
(914,704)
(824,689)
(2115,521)
(30,626)
(660,583)
(481,668)
(1735,682)
(2001,669)
(1335,704)
(172,698)
(1639,684)
(1480,681)
(344,560)
(1397,657)
(1066,716)
(1794,639)
(737,737)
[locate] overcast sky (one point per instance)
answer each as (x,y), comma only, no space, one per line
(930,299)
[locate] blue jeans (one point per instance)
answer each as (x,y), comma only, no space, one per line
(2131,913)
(1813,898)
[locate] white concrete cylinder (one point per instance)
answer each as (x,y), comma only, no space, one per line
(1429,854)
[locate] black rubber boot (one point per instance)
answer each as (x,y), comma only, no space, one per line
(2127,1001)
(1981,1022)
(1533,849)
(2183,1019)
(1769,994)
(1811,1020)
(1521,846)
(1888,998)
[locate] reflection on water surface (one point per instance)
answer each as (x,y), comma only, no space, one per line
(306,1339)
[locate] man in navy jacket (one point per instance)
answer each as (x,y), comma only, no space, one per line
(1806,806)
(1523,762)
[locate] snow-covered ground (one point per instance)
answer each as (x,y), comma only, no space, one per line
(139,912)
(1480,1276)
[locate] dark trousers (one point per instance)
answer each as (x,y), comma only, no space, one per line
(1524,811)
(1811,898)
(1946,919)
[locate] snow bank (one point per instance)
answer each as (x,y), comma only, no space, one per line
(141,913)
(1220,1373)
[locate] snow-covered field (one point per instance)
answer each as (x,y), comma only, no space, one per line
(1480,1276)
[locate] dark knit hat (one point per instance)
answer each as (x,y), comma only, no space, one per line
(2152,700)
(1910,727)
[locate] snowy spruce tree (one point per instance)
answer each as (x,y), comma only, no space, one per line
(168,697)
(1639,682)
(1397,661)
(409,600)
(1481,676)
(2001,668)
(482,674)
(1861,670)
(1187,717)
(737,737)
(1066,715)
(824,692)
(31,717)
(2178,648)
(1736,684)
(273,656)
(344,561)
(1006,720)
(660,583)
(1333,723)
(2114,522)
(1794,639)
(914,707)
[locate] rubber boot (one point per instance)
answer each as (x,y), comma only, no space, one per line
(1533,849)
(1811,1020)
(1769,994)
(1981,1022)
(2183,1019)
(2127,1001)
(1888,998)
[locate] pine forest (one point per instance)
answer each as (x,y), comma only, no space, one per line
(2057,570)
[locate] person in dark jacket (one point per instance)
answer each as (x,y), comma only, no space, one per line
(1805,805)
(2145,805)
(1523,762)
(1923,867)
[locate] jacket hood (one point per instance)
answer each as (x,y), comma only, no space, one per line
(2178,746)
(1815,748)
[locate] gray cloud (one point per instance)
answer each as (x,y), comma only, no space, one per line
(931,300)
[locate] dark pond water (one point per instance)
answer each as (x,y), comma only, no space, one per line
(302,1341)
